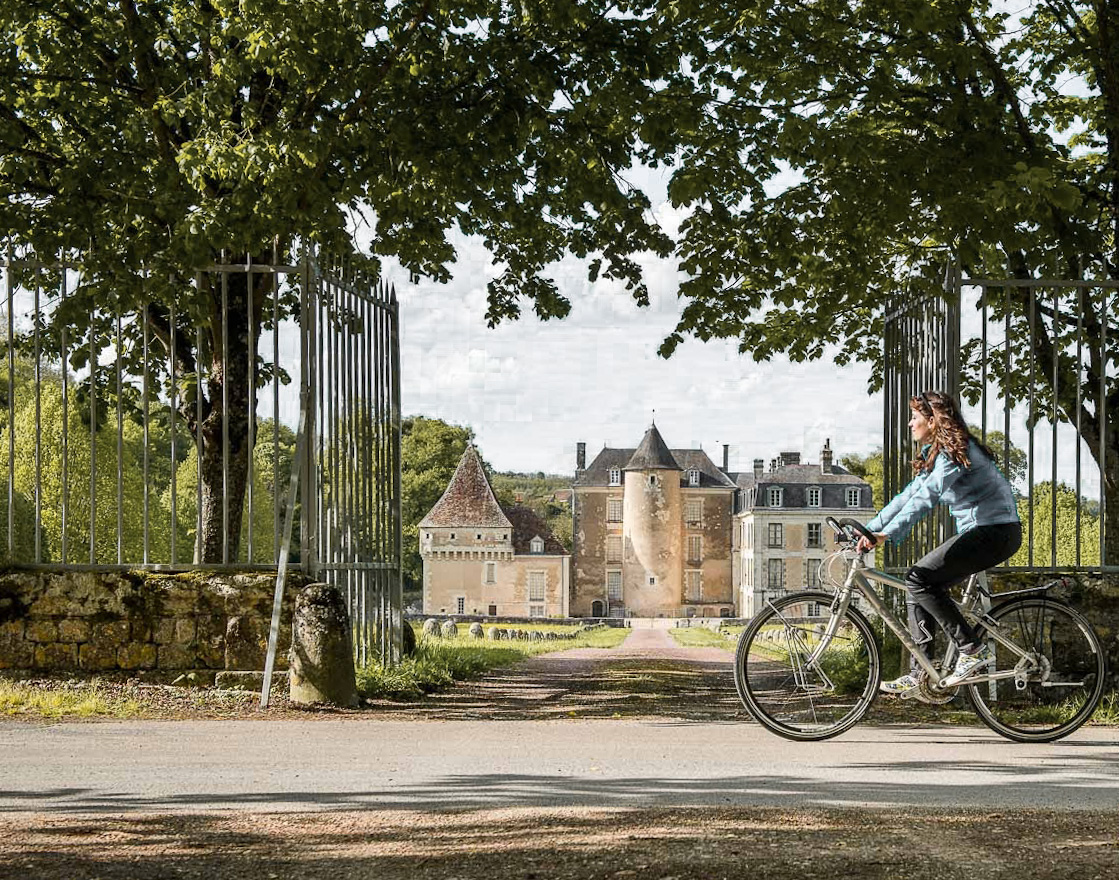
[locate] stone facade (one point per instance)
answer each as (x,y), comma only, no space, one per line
(652,533)
(481,558)
(158,625)
(780,537)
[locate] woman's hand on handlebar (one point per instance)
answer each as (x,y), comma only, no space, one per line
(864,545)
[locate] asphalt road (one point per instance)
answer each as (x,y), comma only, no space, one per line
(354,763)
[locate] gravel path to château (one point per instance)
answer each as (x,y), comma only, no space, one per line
(647,675)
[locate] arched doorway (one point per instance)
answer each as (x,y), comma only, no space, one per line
(598,609)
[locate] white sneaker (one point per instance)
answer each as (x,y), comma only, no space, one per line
(970,664)
(900,687)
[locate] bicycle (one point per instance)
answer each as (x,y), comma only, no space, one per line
(808,665)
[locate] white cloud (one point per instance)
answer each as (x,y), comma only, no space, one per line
(532,389)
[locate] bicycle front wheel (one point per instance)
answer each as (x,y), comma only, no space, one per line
(1060,680)
(798,687)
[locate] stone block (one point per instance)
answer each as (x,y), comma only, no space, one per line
(322,660)
(13,629)
(246,642)
(175,657)
(241,680)
(15,653)
(56,606)
(186,631)
(142,630)
(56,656)
(174,595)
(164,631)
(41,631)
(209,645)
(97,655)
(137,655)
(74,630)
(113,632)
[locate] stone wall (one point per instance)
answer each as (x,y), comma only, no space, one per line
(1095,596)
(153,624)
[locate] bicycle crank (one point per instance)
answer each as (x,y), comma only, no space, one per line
(928,692)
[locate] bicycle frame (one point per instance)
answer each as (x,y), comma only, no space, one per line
(859,577)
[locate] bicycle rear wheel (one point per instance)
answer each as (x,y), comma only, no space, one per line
(1066,680)
(793,688)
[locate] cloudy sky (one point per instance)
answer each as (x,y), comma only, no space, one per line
(531,390)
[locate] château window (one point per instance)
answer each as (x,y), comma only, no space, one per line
(813,496)
(776,579)
(693,477)
(614,510)
(615,476)
(614,548)
(695,548)
(815,535)
(775,496)
(693,510)
(776,535)
(536,583)
(536,545)
(614,586)
(693,586)
(491,573)
(853,496)
(460,605)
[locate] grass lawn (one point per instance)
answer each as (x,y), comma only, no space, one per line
(701,637)
(439,662)
(79,700)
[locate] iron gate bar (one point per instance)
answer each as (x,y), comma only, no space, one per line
(910,326)
(350,477)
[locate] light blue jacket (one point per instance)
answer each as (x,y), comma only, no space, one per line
(976,496)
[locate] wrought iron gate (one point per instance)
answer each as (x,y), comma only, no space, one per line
(921,352)
(102,418)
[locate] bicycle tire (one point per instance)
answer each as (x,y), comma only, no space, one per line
(791,699)
(1061,697)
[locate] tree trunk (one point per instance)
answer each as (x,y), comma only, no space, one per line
(1110,521)
(232,404)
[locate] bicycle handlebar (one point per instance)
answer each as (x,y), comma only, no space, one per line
(843,526)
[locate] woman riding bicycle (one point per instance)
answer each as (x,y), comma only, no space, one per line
(954,468)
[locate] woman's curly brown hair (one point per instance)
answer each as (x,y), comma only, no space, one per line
(950,431)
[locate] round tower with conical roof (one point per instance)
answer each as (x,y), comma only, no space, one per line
(651,569)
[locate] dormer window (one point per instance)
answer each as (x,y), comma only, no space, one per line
(536,545)
(774,496)
(813,496)
(853,496)
(693,477)
(615,476)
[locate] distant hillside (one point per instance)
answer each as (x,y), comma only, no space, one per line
(544,493)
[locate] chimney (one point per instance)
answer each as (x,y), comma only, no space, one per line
(580,456)
(825,457)
(773,464)
(790,458)
(726,457)
(759,468)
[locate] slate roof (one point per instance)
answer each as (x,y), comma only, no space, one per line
(468,499)
(652,454)
(527,524)
(598,473)
(796,478)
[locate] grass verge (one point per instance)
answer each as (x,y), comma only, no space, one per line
(80,700)
(439,663)
(701,637)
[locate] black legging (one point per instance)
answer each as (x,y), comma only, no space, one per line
(930,579)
